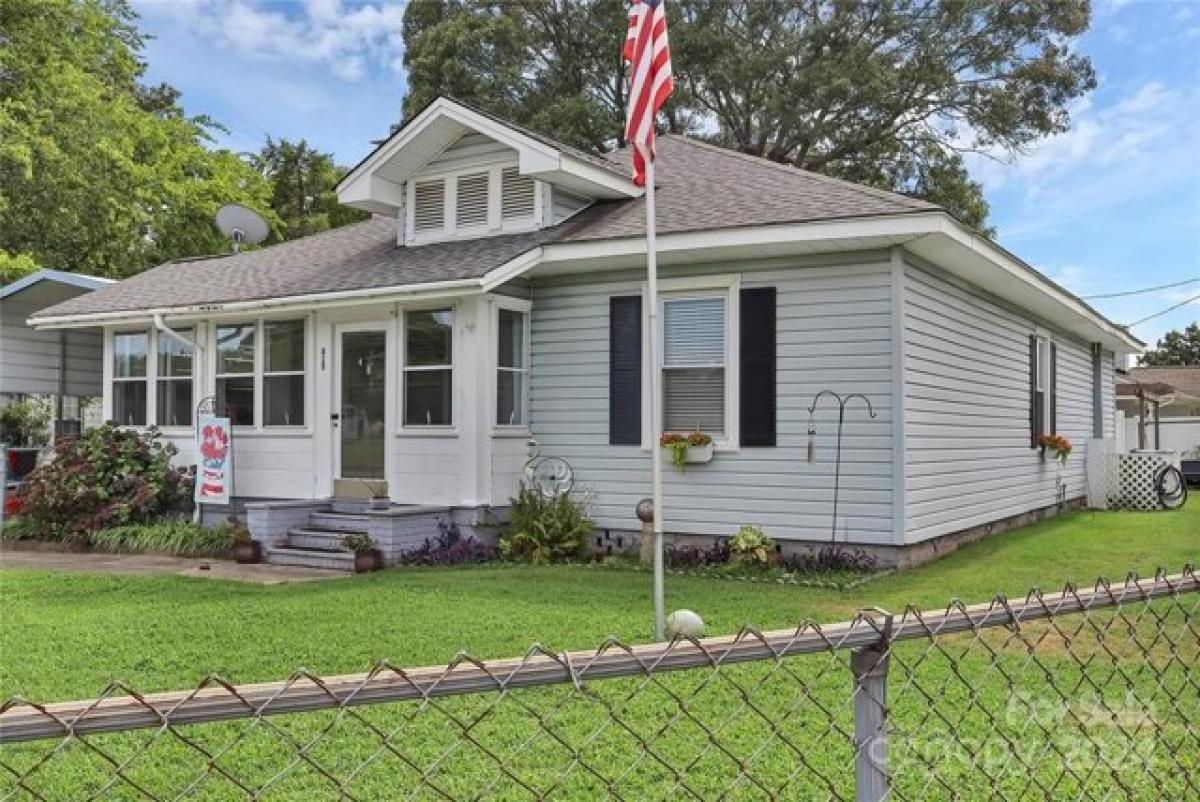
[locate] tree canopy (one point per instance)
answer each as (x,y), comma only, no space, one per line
(302,181)
(889,93)
(1176,348)
(99,172)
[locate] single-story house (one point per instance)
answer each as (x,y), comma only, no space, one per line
(64,364)
(496,296)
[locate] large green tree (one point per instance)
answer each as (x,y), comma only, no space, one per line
(302,188)
(891,93)
(1176,348)
(99,172)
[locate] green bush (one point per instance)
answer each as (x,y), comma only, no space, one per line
(751,546)
(545,529)
(178,538)
(107,477)
(26,422)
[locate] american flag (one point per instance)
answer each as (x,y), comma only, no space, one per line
(650,79)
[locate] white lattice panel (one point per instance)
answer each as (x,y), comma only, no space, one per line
(1130,479)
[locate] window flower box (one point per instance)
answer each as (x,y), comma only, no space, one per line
(687,449)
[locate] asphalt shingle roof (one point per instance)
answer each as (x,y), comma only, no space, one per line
(700,187)
(1183,379)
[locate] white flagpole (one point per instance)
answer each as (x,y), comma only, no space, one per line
(655,402)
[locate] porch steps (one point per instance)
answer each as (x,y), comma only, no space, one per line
(330,559)
(322,539)
(337,522)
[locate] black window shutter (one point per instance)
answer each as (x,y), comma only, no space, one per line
(625,370)
(1052,391)
(1033,396)
(757,372)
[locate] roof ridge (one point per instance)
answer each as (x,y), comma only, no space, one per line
(791,169)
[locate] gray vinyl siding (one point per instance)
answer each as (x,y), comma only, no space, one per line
(30,359)
(834,324)
(566,204)
(968,459)
(467,149)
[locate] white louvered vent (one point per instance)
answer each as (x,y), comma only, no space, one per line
(472,205)
(516,197)
(429,206)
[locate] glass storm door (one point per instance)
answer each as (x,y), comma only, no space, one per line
(360,429)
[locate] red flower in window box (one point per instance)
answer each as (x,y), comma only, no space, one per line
(1060,445)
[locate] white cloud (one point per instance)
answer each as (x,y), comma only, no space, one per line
(348,41)
(1113,154)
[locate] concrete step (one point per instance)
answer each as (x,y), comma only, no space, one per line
(329,559)
(309,538)
(337,522)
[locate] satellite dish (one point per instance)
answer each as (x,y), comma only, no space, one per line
(241,225)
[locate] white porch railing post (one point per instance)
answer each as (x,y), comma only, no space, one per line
(872,782)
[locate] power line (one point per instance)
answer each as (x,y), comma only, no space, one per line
(1193,299)
(1140,292)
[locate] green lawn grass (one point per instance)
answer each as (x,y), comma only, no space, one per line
(67,635)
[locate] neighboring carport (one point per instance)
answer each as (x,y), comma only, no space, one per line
(66,365)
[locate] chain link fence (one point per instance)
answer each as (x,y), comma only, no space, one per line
(1091,693)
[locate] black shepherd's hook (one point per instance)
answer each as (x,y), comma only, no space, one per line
(837,469)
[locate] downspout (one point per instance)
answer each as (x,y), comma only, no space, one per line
(197,365)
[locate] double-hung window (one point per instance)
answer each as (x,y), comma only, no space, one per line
(235,372)
(130,354)
(694,372)
(511,368)
(283,373)
(173,396)
(428,367)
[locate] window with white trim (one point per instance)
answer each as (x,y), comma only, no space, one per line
(173,382)
(283,373)
(130,354)
(235,372)
(693,363)
(512,369)
(428,367)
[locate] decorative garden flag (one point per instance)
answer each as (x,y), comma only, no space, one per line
(214,463)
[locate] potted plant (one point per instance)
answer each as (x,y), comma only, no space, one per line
(377,495)
(245,548)
(694,448)
(367,556)
(1056,444)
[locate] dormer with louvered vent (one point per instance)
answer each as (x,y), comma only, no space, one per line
(456,173)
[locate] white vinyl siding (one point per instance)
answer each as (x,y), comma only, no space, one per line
(30,360)
(516,194)
(833,330)
(429,206)
(968,459)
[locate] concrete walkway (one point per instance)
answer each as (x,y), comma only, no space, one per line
(258,573)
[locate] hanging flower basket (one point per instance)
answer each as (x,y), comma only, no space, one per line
(1057,445)
(687,449)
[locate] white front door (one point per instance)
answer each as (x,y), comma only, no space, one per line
(360,401)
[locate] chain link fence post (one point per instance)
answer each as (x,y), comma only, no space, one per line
(872,782)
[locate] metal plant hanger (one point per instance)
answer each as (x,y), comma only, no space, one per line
(812,434)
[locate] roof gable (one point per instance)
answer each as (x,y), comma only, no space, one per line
(376,183)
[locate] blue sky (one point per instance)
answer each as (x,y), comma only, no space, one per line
(1113,205)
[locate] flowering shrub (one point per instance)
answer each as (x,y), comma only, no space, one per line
(1060,445)
(106,477)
